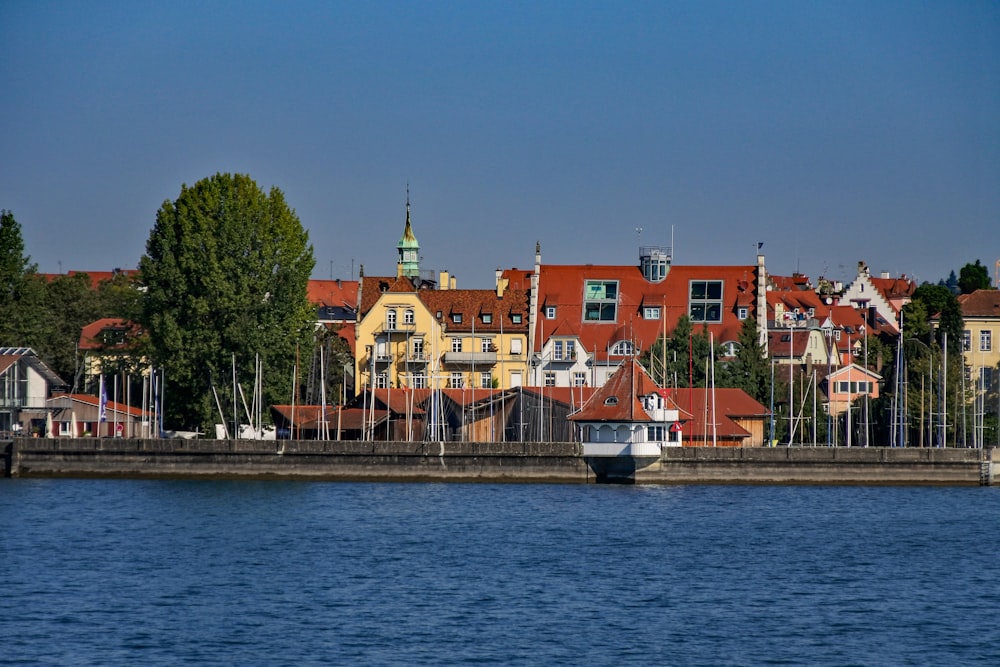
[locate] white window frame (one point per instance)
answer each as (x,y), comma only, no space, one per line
(550,312)
(600,300)
(456,344)
(516,346)
(985,340)
(456,380)
(701,297)
(650,312)
(622,348)
(486,380)
(550,378)
(408,317)
(390,319)
(579,379)
(486,345)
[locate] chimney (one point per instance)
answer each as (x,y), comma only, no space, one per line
(501,285)
(444,283)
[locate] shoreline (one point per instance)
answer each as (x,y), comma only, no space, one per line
(515,462)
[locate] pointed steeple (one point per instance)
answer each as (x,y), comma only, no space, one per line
(408,248)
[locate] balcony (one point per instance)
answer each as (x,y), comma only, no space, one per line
(421,358)
(469,359)
(398,328)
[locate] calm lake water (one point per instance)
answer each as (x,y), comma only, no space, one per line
(112,572)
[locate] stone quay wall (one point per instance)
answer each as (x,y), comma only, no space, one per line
(489,462)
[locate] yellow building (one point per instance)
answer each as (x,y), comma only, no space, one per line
(981,340)
(420,333)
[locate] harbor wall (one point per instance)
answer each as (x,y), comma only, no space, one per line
(491,462)
(305,459)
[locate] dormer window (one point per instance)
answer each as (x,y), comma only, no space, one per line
(622,348)
(651,313)
(611,400)
(515,318)
(456,318)
(487,318)
(550,312)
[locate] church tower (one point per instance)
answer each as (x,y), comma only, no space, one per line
(408,248)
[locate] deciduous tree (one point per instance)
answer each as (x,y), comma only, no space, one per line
(226,272)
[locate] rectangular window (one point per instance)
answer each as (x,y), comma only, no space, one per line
(456,381)
(550,312)
(743,312)
(515,318)
(966,340)
(65,428)
(487,318)
(418,381)
(515,345)
(557,350)
(456,318)
(550,379)
(381,380)
(390,319)
(985,340)
(650,313)
(570,350)
(705,301)
(486,345)
(600,300)
(654,433)
(486,380)
(844,387)
(418,348)
(408,316)
(579,379)
(456,344)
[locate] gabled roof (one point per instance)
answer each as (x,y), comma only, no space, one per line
(981,303)
(617,400)
(850,369)
(11,355)
(562,286)
(730,404)
(90,335)
(308,417)
(336,293)
(472,304)
(373,287)
(95,402)
(895,288)
(788,343)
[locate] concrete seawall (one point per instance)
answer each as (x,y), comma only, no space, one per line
(305,459)
(488,462)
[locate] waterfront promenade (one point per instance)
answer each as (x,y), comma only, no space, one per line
(489,462)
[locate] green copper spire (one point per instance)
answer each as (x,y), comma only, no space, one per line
(408,247)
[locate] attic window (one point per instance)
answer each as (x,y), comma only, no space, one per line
(438,314)
(487,318)
(611,400)
(456,318)
(515,318)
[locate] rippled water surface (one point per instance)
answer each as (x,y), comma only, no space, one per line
(112,572)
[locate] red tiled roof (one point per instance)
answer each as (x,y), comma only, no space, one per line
(372,287)
(894,288)
(562,286)
(981,303)
(618,398)
(90,334)
(729,405)
(95,402)
(473,303)
(96,277)
(333,293)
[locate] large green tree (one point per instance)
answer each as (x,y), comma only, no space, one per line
(226,272)
(15,272)
(973,277)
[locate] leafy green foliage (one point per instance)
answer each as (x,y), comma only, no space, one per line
(226,271)
(972,277)
(750,369)
(15,271)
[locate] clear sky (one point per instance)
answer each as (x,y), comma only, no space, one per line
(832,131)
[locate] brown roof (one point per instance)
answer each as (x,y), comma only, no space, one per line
(333,293)
(90,335)
(981,303)
(618,398)
(472,304)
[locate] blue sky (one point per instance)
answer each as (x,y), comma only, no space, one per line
(832,131)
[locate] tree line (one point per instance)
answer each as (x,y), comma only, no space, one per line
(223,285)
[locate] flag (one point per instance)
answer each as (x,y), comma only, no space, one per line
(102,409)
